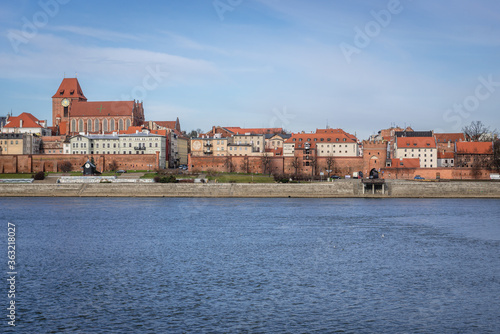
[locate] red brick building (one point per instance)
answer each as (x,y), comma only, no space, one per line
(474,154)
(72,113)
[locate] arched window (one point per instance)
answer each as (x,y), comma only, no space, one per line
(96,125)
(105,125)
(128,123)
(111,125)
(120,124)
(80,125)
(73,126)
(89,125)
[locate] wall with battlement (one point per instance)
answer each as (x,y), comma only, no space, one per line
(52,162)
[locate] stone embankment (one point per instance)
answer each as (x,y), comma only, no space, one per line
(341,188)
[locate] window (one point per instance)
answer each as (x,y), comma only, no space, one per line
(120,124)
(73,125)
(89,125)
(96,125)
(80,125)
(128,123)
(112,125)
(105,125)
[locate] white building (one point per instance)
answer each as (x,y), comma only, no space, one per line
(423,148)
(26,123)
(247,144)
(133,144)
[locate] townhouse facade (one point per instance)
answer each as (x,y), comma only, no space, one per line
(126,144)
(19,143)
(423,148)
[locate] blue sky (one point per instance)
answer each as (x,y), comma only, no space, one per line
(358,65)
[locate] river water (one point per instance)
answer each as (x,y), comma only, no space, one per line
(168,265)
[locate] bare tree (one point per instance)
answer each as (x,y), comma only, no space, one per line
(314,164)
(245,165)
(65,166)
(228,162)
(266,162)
(113,166)
(496,155)
(476,131)
(296,164)
(330,163)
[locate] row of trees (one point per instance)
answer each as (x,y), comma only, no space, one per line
(266,165)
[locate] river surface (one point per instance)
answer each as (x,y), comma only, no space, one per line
(169,265)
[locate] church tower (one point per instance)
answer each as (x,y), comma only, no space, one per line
(68,92)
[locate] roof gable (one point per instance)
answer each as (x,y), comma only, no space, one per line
(28,121)
(69,88)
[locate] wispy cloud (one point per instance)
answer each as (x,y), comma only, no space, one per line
(187,43)
(100,34)
(99,61)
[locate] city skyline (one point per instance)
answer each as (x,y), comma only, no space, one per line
(361,66)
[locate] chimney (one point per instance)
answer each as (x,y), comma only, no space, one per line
(20,123)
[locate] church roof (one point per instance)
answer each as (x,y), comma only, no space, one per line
(166,124)
(29,121)
(70,87)
(105,108)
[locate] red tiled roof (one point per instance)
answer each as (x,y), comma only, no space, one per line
(296,138)
(131,130)
(452,137)
(159,132)
(405,163)
(278,151)
(70,87)
(104,108)
(166,124)
(416,142)
(255,131)
(475,148)
(29,121)
(336,131)
(446,155)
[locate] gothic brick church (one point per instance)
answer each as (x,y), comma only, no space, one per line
(72,113)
